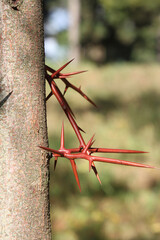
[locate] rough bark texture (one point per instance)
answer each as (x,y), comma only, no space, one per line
(24,203)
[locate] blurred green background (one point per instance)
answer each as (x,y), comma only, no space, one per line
(119,46)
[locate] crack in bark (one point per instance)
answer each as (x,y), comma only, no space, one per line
(15,4)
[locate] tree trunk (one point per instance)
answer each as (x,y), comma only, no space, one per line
(158,39)
(24,198)
(74,29)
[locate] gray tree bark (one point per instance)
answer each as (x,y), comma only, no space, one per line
(24,198)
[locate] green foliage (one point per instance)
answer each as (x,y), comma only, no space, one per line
(119,29)
(130,27)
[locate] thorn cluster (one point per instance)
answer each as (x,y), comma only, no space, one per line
(84,151)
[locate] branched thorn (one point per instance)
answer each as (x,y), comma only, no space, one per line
(84,151)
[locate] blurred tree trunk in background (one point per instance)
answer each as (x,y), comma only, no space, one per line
(74,7)
(158,40)
(24,198)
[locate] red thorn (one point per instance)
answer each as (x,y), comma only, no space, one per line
(60,69)
(121,162)
(78,90)
(62,137)
(65,75)
(96,172)
(84,151)
(65,90)
(111,150)
(62,101)
(76,129)
(75,172)
(88,145)
(81,129)
(51,150)
(93,142)
(49,95)
(47,68)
